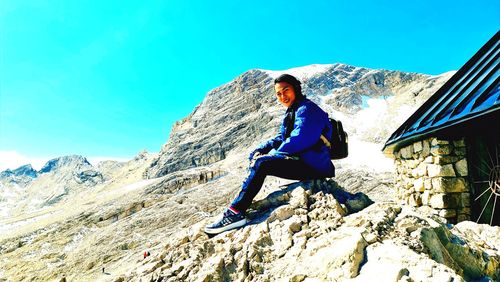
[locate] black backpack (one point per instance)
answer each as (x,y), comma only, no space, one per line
(338,143)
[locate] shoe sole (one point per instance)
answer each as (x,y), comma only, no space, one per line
(226,228)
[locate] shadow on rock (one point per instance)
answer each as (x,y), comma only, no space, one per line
(261,210)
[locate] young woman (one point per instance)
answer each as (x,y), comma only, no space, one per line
(297,152)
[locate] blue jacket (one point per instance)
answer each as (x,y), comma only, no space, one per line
(310,122)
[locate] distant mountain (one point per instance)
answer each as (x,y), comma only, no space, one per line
(59,177)
(25,170)
(66,162)
(73,165)
(73,162)
(25,189)
(21,176)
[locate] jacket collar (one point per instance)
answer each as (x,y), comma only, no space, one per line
(296,105)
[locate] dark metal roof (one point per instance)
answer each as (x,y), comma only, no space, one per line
(472,92)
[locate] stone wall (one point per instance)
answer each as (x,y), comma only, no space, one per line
(433,173)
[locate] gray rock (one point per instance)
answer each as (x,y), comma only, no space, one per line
(90,177)
(452,250)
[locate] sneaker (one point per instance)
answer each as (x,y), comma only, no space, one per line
(230,220)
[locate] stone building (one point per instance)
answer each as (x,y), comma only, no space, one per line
(446,153)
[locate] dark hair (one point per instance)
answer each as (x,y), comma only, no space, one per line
(294,82)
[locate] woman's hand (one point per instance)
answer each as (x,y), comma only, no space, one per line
(254,154)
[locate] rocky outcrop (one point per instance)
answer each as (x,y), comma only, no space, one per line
(465,256)
(288,226)
(307,231)
(89,177)
(184,180)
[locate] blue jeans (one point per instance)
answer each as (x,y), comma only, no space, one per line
(274,165)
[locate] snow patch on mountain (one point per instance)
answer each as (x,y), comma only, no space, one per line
(302,73)
(367,156)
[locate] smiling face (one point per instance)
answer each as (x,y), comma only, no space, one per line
(285,93)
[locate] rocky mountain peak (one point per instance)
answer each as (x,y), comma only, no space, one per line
(142,155)
(21,176)
(25,170)
(6,173)
(74,162)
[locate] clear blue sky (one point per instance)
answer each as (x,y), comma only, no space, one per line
(109,78)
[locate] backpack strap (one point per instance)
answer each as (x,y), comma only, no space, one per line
(325,140)
(289,123)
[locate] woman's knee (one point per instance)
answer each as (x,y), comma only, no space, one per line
(263,164)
